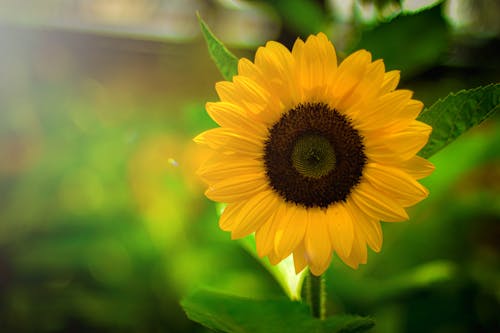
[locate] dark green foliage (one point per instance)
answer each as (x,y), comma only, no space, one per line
(303,17)
(410,43)
(227,313)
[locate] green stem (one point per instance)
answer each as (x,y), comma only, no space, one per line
(316,295)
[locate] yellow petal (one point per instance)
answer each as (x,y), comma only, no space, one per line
(373,234)
(228,221)
(225,168)
(394,183)
(396,147)
(233,116)
(341,229)
(273,258)
(366,89)
(250,93)
(237,188)
(256,100)
(317,269)
(278,66)
(325,52)
(359,253)
(250,70)
(417,167)
(348,75)
(264,236)
(290,231)
(242,88)
(384,110)
(229,141)
(298,53)
(401,118)
(317,242)
(391,80)
(299,258)
(375,204)
(316,62)
(410,111)
(408,142)
(257,210)
(274,58)
(367,227)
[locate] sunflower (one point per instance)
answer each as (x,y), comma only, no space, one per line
(311,156)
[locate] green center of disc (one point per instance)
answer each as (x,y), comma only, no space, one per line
(313,156)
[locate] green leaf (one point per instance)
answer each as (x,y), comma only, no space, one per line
(226,313)
(456,113)
(226,62)
(410,43)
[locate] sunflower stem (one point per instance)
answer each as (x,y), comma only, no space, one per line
(316,295)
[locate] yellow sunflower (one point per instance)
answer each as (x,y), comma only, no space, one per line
(311,155)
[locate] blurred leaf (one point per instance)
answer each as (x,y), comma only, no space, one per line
(382,3)
(236,314)
(284,272)
(413,7)
(226,62)
(456,113)
(423,277)
(304,16)
(348,285)
(408,42)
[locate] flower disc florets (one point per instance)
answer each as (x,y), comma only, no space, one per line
(313,157)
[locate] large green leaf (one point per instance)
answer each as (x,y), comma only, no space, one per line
(226,62)
(409,43)
(226,313)
(456,113)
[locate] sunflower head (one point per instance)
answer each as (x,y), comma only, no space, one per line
(311,156)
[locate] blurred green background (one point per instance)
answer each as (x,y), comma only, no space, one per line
(103,224)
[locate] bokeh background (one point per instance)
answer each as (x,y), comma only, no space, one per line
(103,223)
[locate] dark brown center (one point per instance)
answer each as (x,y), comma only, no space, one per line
(313,156)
